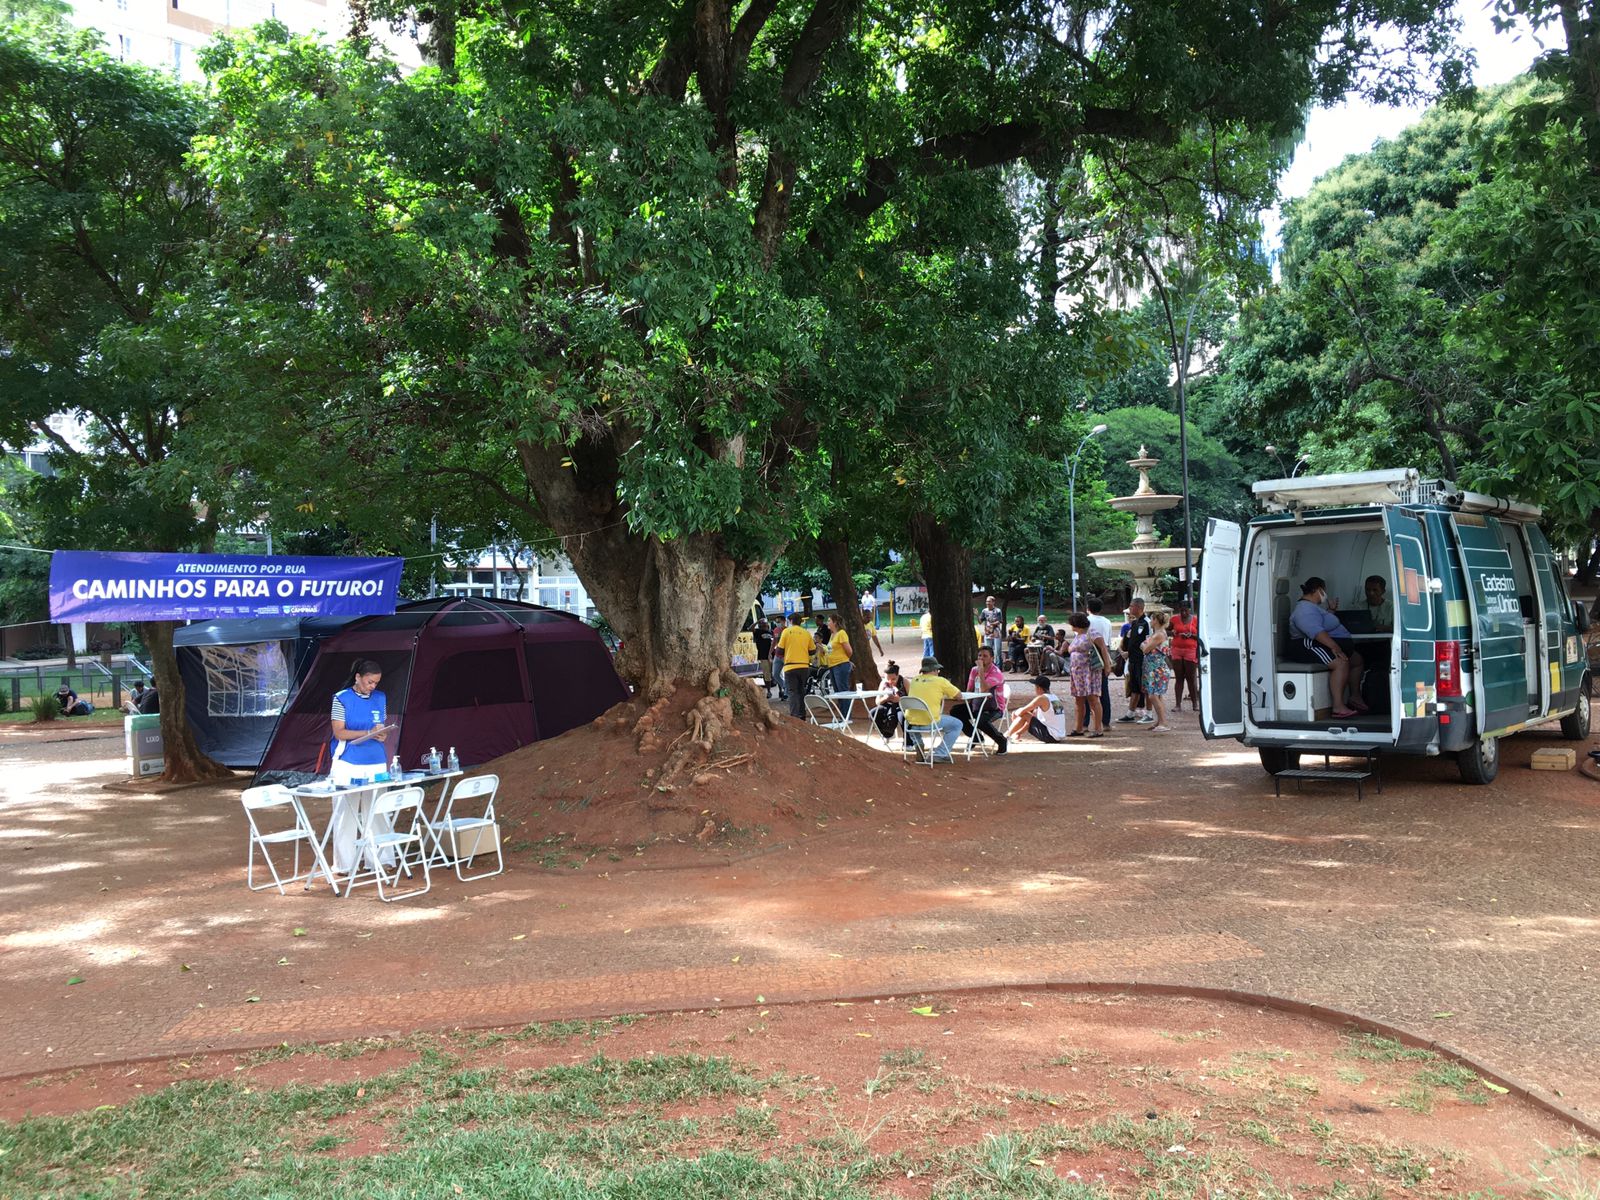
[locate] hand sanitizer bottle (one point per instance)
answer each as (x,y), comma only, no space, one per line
(452,763)
(396,772)
(433,759)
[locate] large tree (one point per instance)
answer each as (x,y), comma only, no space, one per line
(595,254)
(100,225)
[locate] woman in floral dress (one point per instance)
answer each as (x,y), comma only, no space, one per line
(1086,664)
(1158,670)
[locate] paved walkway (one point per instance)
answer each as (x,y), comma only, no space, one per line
(1470,913)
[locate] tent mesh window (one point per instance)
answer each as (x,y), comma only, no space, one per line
(245,681)
(475,678)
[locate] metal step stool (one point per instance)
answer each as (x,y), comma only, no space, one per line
(1370,770)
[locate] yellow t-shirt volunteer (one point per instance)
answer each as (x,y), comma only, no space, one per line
(932,690)
(927,624)
(795,644)
(838,649)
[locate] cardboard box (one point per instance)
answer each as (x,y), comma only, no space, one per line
(469,843)
(1555,758)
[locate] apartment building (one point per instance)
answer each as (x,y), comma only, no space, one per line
(170,33)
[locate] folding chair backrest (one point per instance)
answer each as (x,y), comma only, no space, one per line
(388,803)
(479,787)
(910,707)
(269,795)
(818,709)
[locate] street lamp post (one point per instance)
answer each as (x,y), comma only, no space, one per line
(1183,444)
(1072,507)
(1298,465)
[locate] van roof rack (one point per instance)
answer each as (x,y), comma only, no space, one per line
(1402,485)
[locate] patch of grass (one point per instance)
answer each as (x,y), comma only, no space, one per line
(1199,1035)
(908,1057)
(1373,1047)
(1418,1098)
(1350,1075)
(1453,1077)
(350,1048)
(1259,1131)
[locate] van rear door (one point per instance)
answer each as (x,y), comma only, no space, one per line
(1494,614)
(1221,650)
(1413,689)
(1562,658)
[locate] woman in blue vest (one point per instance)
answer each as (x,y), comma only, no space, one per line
(358,709)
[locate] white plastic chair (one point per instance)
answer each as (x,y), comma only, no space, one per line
(446,830)
(388,834)
(258,800)
(915,734)
(822,711)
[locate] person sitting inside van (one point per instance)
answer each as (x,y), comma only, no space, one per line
(1316,635)
(1379,607)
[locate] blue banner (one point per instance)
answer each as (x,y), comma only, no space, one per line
(95,586)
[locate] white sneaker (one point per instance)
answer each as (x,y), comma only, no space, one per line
(1146,719)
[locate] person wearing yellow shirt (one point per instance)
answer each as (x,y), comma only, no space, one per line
(927,634)
(794,647)
(935,691)
(837,659)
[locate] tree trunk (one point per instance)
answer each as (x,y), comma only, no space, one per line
(184,761)
(835,559)
(677,605)
(947,571)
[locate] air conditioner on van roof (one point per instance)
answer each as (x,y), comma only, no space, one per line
(1399,486)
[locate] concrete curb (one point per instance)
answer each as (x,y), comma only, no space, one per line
(1322,1013)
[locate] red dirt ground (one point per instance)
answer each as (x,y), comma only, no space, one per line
(595,787)
(1284,1093)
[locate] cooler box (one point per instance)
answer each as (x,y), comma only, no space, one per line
(469,843)
(142,736)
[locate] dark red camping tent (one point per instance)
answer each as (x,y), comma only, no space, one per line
(484,676)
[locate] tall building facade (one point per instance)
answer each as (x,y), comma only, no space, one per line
(170,33)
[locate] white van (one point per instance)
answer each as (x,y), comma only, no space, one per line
(1483,640)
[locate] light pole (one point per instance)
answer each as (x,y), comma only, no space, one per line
(1072,507)
(1273,450)
(1298,465)
(1183,443)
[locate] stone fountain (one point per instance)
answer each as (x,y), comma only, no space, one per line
(1146,561)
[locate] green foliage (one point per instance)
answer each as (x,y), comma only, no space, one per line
(1437,306)
(44,708)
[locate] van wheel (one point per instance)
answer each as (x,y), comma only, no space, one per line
(1276,758)
(1576,724)
(1480,762)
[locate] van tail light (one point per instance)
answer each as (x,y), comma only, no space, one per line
(1447,660)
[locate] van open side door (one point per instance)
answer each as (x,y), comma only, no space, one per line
(1563,654)
(1221,647)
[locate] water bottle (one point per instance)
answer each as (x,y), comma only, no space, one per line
(452,763)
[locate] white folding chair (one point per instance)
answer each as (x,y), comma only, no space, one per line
(388,833)
(916,733)
(447,831)
(822,711)
(976,708)
(258,800)
(872,717)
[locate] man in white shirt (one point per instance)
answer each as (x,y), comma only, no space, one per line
(869,616)
(1100,627)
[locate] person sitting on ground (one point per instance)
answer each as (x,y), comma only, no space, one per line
(1089,660)
(1316,635)
(886,705)
(1039,718)
(67,700)
(936,692)
(130,706)
(1379,607)
(150,702)
(986,677)
(1017,644)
